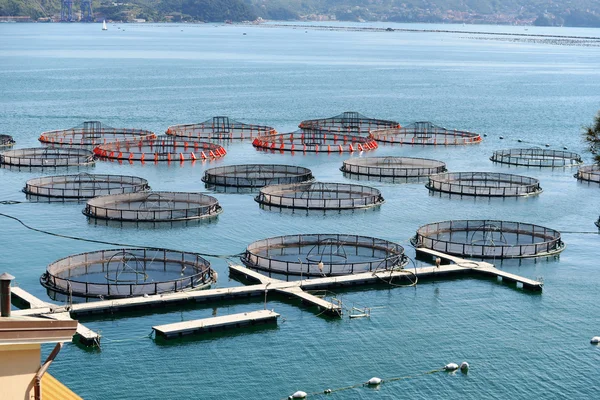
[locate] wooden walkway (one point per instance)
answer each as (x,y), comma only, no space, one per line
(213,324)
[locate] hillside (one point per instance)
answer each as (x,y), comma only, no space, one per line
(525,12)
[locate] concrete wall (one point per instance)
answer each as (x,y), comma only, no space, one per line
(18,366)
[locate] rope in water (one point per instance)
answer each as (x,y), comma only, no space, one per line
(109,243)
(383,381)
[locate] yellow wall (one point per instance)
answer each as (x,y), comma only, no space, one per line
(18,366)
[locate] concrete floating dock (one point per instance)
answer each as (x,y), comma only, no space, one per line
(484,268)
(455,266)
(213,324)
(36,306)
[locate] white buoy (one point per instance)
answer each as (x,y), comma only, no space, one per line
(595,340)
(451,367)
(547,145)
(298,395)
(374,381)
(501,137)
(327,391)
(464,366)
(519,140)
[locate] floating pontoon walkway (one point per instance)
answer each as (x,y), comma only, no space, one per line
(213,324)
(35,306)
(294,289)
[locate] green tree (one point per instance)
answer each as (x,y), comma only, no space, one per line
(591,135)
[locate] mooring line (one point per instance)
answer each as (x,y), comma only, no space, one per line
(225,256)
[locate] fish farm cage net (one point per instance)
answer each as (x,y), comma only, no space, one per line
(6,141)
(348,122)
(484,184)
(118,273)
(537,157)
(84,186)
(159,149)
(489,239)
(590,173)
(256,175)
(320,196)
(153,206)
(425,133)
(394,167)
(315,141)
(220,128)
(93,133)
(323,255)
(47,157)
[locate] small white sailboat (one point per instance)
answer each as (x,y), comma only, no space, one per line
(104,28)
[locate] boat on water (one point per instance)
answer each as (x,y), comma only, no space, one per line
(104,27)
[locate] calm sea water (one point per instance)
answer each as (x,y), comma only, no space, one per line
(151,76)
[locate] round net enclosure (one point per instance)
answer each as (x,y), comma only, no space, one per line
(323,255)
(590,173)
(393,167)
(220,128)
(489,239)
(315,141)
(159,149)
(256,175)
(153,206)
(488,184)
(47,157)
(320,196)
(84,186)
(535,157)
(92,133)
(348,122)
(127,272)
(425,133)
(6,141)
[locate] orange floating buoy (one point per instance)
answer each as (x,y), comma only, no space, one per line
(212,154)
(169,157)
(131,156)
(351,148)
(316,148)
(293,147)
(143,157)
(273,145)
(203,155)
(120,155)
(181,158)
(281,147)
(155,157)
(328,148)
(340,148)
(185,145)
(305,148)
(193,156)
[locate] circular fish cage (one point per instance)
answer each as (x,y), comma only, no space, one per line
(535,157)
(220,128)
(6,141)
(348,122)
(153,207)
(256,175)
(393,167)
(488,184)
(315,141)
(589,173)
(119,273)
(160,149)
(320,196)
(323,255)
(84,186)
(93,133)
(47,157)
(489,239)
(425,133)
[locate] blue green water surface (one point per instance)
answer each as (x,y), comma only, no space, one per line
(519,345)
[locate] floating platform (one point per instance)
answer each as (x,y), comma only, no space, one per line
(208,325)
